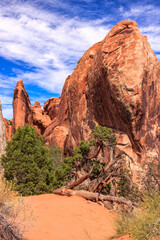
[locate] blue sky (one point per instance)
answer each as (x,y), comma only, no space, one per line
(41,41)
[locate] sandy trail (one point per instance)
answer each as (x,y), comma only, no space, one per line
(69,218)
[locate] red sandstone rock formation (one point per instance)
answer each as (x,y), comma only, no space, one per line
(51,107)
(23,112)
(115,84)
(21,106)
(2,134)
(40,119)
(8,126)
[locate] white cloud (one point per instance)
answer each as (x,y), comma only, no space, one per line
(139,10)
(47,79)
(5,99)
(46,41)
(7,111)
(53,43)
(153,36)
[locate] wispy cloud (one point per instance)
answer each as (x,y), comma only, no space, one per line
(49,42)
(148,19)
(142,10)
(7,111)
(5,99)
(42,36)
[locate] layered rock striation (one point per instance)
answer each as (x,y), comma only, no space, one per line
(115,84)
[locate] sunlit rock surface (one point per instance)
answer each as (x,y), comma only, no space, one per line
(116,84)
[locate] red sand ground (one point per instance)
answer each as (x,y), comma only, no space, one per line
(69,218)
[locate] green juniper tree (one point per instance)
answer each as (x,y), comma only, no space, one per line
(84,159)
(27,163)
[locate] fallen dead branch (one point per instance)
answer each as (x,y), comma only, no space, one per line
(93,196)
(80,180)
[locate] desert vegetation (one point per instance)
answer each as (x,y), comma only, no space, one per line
(144,221)
(86,174)
(97,170)
(27,164)
(13,221)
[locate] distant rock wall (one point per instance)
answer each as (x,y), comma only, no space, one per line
(2,132)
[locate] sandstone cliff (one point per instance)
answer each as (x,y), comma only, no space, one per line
(2,133)
(115,84)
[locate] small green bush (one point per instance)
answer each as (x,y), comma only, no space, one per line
(56,155)
(27,164)
(63,172)
(104,134)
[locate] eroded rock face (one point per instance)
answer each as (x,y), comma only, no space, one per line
(23,112)
(51,107)
(8,126)
(2,134)
(21,106)
(39,118)
(115,84)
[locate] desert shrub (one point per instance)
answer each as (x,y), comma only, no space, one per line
(63,173)
(104,134)
(56,155)
(144,223)
(79,161)
(125,187)
(26,162)
(151,180)
(12,223)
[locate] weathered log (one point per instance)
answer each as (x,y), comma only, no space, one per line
(93,196)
